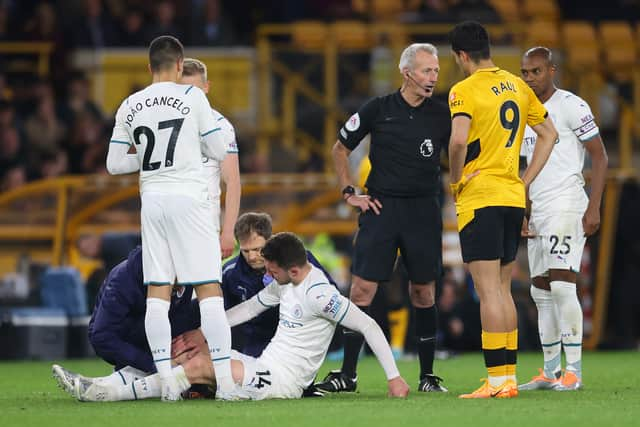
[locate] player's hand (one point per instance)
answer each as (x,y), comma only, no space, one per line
(398,387)
(227,244)
(456,188)
(191,343)
(525,231)
(591,221)
(365,202)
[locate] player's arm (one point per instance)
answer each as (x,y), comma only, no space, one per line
(349,136)
(328,303)
(546,138)
(599,165)
(265,299)
(231,178)
(461,107)
(119,158)
(460,127)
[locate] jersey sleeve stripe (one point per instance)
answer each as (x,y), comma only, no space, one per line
(115,141)
(210,131)
(316,284)
(187,91)
(260,301)
(157,283)
(461,114)
(345,311)
(221,118)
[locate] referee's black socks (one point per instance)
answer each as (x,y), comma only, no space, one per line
(426,326)
(352,344)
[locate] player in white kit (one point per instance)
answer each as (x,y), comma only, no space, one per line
(195,73)
(172,127)
(310,308)
(562,217)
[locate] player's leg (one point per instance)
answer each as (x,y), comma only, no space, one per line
(565,298)
(374,256)
(512,220)
(548,323)
(421,248)
(159,275)
(482,239)
(196,254)
(395,293)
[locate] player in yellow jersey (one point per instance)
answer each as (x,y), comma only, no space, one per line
(489,111)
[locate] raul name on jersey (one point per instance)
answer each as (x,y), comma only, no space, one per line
(504,86)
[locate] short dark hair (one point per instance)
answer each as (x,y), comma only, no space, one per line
(253,222)
(164,51)
(285,249)
(472,38)
(540,52)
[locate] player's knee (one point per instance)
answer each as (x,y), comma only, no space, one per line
(423,296)
(362,292)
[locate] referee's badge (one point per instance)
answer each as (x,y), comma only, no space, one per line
(426,148)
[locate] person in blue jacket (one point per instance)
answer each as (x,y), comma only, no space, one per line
(244,276)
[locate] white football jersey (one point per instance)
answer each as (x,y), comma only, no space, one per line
(172,127)
(560,185)
(213,168)
(309,313)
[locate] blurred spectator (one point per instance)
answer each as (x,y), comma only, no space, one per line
(436,11)
(132,29)
(12,151)
(164,23)
(110,248)
(78,100)
(212,27)
(476,10)
(52,164)
(5,33)
(13,177)
(85,134)
(43,128)
(95,27)
(7,114)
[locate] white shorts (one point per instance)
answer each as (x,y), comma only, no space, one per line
(179,240)
(262,381)
(558,244)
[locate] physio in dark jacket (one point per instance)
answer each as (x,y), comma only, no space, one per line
(116,329)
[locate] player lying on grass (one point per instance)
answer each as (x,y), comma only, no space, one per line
(309,308)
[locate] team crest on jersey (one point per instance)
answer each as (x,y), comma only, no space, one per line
(266,279)
(426,148)
(353,123)
(297,311)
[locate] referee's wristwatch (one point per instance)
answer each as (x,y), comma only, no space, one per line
(348,191)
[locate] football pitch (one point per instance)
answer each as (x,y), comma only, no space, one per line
(30,397)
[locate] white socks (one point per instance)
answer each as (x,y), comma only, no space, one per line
(549,330)
(215,328)
(570,313)
(123,376)
(151,386)
(158,329)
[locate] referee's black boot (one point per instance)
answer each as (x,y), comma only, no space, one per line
(430,383)
(335,382)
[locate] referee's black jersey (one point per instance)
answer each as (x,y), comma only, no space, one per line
(405,144)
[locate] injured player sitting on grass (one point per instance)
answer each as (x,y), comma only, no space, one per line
(310,308)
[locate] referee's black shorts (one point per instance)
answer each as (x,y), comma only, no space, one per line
(492,233)
(412,225)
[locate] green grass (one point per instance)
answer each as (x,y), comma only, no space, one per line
(30,397)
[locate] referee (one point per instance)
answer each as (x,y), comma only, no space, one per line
(401,210)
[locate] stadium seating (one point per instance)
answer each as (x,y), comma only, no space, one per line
(351,34)
(618,48)
(541,9)
(579,39)
(542,33)
(508,10)
(62,287)
(309,35)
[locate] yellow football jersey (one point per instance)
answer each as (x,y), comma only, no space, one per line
(499,104)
